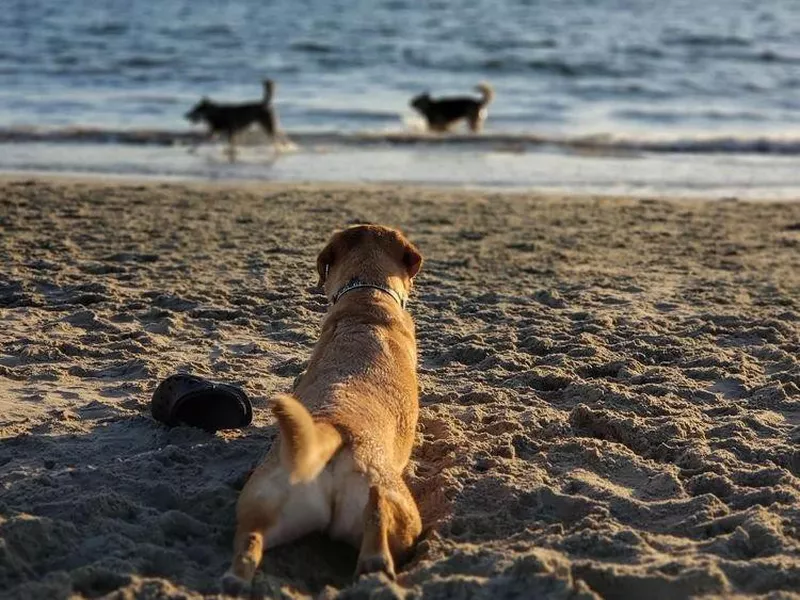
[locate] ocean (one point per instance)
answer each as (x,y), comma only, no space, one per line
(599,96)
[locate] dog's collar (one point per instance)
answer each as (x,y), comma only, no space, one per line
(356,283)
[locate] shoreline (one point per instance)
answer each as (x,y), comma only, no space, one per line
(102,178)
(505,169)
(447,190)
(609,387)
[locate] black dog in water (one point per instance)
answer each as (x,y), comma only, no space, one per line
(443,113)
(230,119)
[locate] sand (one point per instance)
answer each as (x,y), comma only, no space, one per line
(610,389)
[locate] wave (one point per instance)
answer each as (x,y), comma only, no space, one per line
(706,39)
(788,145)
(312,47)
(520,63)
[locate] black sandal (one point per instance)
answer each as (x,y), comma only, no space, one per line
(191,400)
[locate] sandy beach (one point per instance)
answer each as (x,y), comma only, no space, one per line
(610,389)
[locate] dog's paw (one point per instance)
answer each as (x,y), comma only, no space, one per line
(234,585)
(376,564)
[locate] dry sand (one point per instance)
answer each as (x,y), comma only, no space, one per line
(610,389)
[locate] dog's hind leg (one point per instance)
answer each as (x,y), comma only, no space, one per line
(283,143)
(267,123)
(256,514)
(248,550)
(475,120)
(280,141)
(391,527)
(271,511)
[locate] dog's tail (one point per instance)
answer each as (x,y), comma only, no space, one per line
(306,445)
(269,90)
(486,91)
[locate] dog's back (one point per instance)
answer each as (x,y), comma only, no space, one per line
(362,373)
(232,118)
(374,360)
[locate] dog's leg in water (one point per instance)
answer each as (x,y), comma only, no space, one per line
(475,123)
(391,527)
(283,143)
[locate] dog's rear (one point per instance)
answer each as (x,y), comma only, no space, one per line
(306,445)
(478,113)
(347,430)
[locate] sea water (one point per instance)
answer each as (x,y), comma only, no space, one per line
(618,96)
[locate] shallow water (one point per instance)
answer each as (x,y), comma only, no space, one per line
(619,76)
(703,176)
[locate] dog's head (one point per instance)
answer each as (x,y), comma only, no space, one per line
(372,253)
(200,110)
(421,102)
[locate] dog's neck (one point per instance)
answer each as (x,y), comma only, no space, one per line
(356,283)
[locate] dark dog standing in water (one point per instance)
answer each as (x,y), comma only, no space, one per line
(442,113)
(228,120)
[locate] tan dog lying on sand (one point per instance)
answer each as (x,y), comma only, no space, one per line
(346,432)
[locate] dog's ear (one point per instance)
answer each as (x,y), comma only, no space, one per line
(336,249)
(324,261)
(412,259)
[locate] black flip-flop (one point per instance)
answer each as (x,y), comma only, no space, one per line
(191,400)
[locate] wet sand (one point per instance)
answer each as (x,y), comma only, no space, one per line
(610,389)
